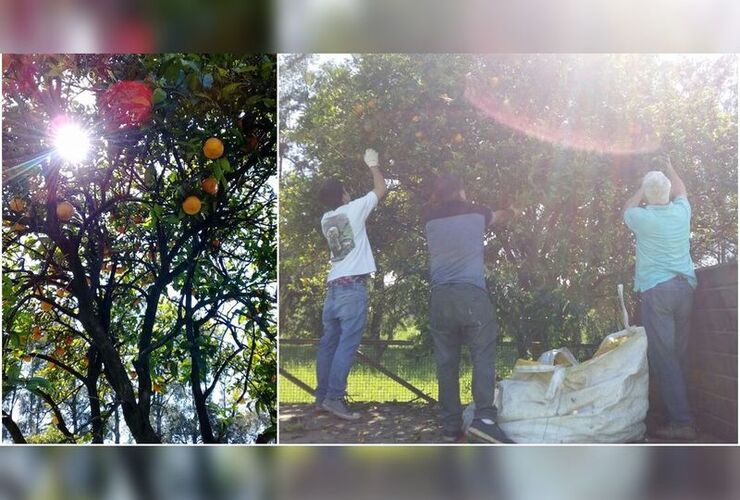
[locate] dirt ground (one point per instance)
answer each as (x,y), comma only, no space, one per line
(389,423)
(380,423)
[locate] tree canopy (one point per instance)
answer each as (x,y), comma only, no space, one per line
(565,139)
(139,258)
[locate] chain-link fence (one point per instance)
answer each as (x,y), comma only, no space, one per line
(386,371)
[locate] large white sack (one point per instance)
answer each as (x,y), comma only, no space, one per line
(603,400)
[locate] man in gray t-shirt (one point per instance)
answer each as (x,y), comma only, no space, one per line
(461,312)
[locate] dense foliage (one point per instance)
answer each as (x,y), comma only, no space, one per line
(124,316)
(565,139)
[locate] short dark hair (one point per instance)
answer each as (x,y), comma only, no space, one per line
(331,193)
(447,187)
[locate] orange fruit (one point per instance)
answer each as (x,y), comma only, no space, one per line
(61,292)
(68,339)
(213,148)
(27,359)
(17,205)
(19,228)
(37,335)
(60,352)
(191,205)
(156,387)
(138,219)
(65,211)
(54,420)
(45,306)
(210,185)
(121,229)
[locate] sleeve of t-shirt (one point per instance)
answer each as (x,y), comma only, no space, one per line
(634,217)
(486,212)
(683,202)
(363,206)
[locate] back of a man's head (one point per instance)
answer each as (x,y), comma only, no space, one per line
(447,188)
(331,193)
(657,188)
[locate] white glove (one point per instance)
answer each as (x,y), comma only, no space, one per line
(371,157)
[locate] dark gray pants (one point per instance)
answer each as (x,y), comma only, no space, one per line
(463,315)
(666,316)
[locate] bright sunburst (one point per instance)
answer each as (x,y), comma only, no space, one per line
(71,142)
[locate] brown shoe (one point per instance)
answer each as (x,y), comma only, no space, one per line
(673,432)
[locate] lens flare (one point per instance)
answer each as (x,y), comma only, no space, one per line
(630,142)
(71,142)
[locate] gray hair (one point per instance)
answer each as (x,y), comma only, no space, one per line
(657,188)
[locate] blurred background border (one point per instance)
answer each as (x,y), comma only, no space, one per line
(369,26)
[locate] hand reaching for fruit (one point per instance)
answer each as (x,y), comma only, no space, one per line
(371,158)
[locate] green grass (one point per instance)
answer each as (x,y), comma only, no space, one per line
(369,385)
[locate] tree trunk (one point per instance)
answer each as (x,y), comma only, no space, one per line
(13,429)
(199,399)
(117,427)
(115,372)
(91,383)
(93,323)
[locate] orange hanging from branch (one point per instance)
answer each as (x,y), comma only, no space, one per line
(126,103)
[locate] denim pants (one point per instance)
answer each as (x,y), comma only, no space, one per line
(666,316)
(344,317)
(462,314)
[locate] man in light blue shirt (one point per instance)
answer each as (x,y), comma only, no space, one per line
(665,279)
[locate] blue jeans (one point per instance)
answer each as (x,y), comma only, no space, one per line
(462,314)
(666,316)
(344,317)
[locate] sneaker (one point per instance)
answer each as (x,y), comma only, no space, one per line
(488,431)
(673,432)
(338,408)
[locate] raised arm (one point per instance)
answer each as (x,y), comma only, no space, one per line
(635,200)
(678,188)
(371,160)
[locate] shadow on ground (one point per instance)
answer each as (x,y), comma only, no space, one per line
(380,423)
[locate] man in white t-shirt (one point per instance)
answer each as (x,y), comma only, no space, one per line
(345,306)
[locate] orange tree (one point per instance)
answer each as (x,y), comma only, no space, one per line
(565,139)
(139,258)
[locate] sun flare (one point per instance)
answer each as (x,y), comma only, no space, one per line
(71,142)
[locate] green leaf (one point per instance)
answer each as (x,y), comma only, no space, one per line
(158,96)
(229,89)
(225,165)
(172,72)
(193,81)
(35,383)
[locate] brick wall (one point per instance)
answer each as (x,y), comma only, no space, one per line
(712,371)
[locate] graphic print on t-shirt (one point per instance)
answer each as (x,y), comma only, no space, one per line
(338,233)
